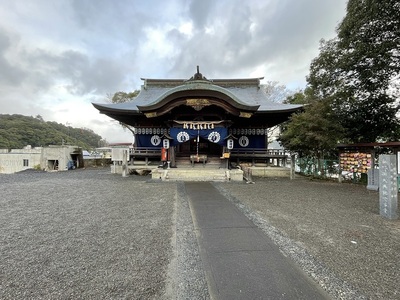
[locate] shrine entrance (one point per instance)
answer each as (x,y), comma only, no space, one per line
(202,146)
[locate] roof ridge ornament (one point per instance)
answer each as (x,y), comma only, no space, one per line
(198,76)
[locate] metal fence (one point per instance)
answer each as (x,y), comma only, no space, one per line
(327,168)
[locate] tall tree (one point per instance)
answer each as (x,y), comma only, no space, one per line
(359,69)
(121,97)
(314,132)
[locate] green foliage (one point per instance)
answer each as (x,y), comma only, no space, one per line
(121,97)
(353,86)
(17,131)
(359,68)
(313,132)
(305,97)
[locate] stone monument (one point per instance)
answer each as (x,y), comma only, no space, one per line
(388,191)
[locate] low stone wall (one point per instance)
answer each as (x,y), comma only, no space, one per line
(96,162)
(270,172)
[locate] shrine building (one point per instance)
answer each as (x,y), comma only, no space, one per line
(200,122)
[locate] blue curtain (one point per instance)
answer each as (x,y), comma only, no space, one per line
(250,141)
(216,135)
(148,140)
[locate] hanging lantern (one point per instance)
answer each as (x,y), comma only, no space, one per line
(229,144)
(165,143)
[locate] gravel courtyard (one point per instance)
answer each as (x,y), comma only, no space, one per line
(90,234)
(84,234)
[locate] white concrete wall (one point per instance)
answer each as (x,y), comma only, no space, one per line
(118,154)
(14,162)
(60,153)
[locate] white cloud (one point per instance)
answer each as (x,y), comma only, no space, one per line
(187,29)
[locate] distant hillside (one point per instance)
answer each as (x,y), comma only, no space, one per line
(17,131)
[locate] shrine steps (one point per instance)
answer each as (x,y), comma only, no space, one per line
(213,162)
(197,174)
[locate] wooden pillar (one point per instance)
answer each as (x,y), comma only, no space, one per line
(340,179)
(292,165)
(172,156)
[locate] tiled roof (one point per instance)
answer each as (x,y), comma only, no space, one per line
(243,91)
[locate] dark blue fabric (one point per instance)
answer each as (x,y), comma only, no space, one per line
(144,140)
(216,135)
(254,141)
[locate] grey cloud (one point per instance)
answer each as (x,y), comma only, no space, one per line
(100,76)
(237,34)
(199,12)
(283,34)
(299,24)
(77,70)
(93,14)
(231,48)
(113,18)
(9,74)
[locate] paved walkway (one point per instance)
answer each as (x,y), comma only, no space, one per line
(240,261)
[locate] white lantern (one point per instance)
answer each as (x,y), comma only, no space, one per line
(165,143)
(229,144)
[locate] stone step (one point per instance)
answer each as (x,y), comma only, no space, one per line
(197,174)
(212,162)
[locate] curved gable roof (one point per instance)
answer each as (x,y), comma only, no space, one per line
(242,94)
(197,88)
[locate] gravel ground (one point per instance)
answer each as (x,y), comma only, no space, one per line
(332,230)
(85,234)
(89,234)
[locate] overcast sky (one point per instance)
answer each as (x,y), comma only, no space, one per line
(56,57)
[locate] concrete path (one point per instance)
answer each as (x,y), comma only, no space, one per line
(240,261)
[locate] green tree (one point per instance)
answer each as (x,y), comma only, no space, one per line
(359,68)
(302,97)
(121,97)
(314,132)
(17,131)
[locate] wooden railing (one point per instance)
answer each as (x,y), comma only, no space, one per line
(277,156)
(255,152)
(247,152)
(145,152)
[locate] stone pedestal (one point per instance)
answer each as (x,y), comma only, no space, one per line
(373,179)
(292,166)
(388,192)
(124,163)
